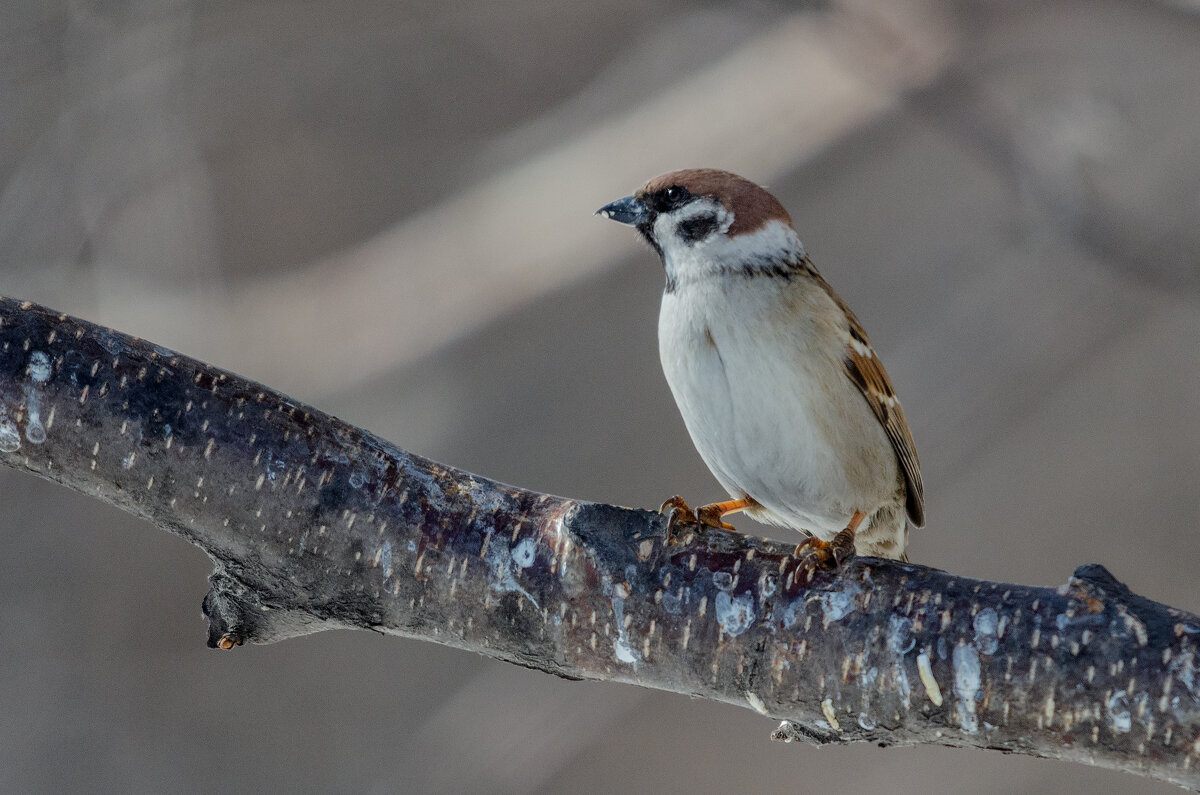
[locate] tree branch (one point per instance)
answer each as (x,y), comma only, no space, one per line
(313,524)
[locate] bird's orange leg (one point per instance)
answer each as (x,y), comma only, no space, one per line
(714,513)
(831,554)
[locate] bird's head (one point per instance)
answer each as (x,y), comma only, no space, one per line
(703,221)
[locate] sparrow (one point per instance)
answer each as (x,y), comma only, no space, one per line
(779,387)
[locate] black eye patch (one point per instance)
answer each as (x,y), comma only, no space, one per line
(697,227)
(667,199)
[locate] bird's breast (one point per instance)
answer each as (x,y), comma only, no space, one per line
(762,390)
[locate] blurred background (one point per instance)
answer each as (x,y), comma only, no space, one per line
(385,209)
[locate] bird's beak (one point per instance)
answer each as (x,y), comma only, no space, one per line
(630,210)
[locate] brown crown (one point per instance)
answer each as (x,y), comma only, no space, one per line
(750,204)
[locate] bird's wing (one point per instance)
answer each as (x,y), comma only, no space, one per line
(866,371)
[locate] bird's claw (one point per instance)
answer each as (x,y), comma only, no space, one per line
(710,516)
(815,555)
(842,547)
(678,513)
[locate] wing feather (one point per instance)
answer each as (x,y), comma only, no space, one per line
(866,371)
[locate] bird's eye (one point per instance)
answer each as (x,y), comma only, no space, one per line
(675,194)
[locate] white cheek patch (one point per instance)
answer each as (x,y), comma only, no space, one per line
(774,239)
(664,230)
(667,225)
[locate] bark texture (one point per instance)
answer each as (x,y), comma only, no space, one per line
(314,524)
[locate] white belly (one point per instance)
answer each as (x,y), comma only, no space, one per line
(744,364)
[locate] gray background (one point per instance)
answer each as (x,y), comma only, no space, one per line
(383,208)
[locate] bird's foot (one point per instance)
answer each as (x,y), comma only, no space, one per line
(712,515)
(678,514)
(815,554)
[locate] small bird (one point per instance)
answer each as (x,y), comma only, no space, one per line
(778,385)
